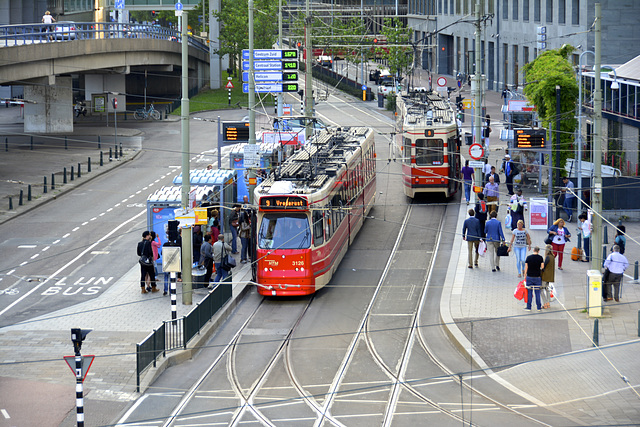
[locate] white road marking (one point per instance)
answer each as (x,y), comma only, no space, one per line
(76,229)
(99,252)
(10,272)
(26,246)
(66,235)
(124,200)
(55,241)
(102,213)
(110,209)
(133,408)
(5,414)
(46,248)
(116,205)
(64,267)
(85,223)
(23,263)
(93,219)
(35,256)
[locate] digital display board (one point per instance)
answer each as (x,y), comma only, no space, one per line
(283,202)
(235,132)
(531,138)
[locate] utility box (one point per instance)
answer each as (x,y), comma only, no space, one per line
(594,293)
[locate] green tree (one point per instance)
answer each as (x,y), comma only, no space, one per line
(550,69)
(397,51)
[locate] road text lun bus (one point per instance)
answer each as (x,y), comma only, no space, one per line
(429,143)
(311,209)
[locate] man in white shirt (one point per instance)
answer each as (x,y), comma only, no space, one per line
(48,19)
(585,228)
(616,263)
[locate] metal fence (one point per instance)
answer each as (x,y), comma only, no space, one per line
(176,334)
(24,34)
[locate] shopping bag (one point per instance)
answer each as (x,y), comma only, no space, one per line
(521,291)
(482,248)
(552,292)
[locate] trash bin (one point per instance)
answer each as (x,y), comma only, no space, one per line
(380,101)
(197,277)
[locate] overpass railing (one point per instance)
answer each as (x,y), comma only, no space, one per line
(24,34)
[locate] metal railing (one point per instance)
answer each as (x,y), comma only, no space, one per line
(25,34)
(176,334)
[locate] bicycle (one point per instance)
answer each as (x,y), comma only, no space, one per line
(142,114)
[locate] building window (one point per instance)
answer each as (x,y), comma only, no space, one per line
(549,10)
(516,69)
(505,71)
(575,12)
(515,10)
(525,10)
(505,9)
(451,10)
(536,10)
(466,7)
(446,7)
(562,11)
(525,55)
(458,8)
(491,8)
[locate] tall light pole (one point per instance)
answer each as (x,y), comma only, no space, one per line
(596,196)
(252,102)
(187,249)
(308,78)
(580,142)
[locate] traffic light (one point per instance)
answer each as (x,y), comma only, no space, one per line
(153,13)
(299,44)
(77,336)
(375,40)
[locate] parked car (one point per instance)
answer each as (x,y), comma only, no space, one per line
(65,30)
(387,87)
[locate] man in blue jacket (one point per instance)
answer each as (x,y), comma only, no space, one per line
(472,234)
(494,237)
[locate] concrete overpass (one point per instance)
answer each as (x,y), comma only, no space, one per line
(130,62)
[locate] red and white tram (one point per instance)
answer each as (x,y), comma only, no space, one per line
(310,210)
(429,143)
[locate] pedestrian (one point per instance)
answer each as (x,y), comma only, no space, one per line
(569,198)
(486,169)
(548,275)
(156,244)
(472,234)
(47,19)
(517,204)
(616,263)
(532,272)
(585,229)
(510,171)
(492,194)
(214,225)
(206,258)
(494,238)
(145,249)
(560,237)
(505,95)
(481,212)
(209,167)
(620,240)
(494,174)
(220,248)
(467,179)
(520,242)
(197,239)
(234,222)
(486,131)
(245,236)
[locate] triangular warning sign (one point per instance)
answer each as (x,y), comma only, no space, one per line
(229,85)
(86,363)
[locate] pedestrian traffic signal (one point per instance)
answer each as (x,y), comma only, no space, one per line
(153,13)
(77,336)
(375,41)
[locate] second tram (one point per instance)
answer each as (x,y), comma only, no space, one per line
(428,140)
(310,210)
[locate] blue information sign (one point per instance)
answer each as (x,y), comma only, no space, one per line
(178,6)
(119,4)
(271,87)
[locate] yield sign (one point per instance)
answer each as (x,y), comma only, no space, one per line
(86,364)
(229,85)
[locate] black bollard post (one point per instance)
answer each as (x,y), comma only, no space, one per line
(79,170)
(45,184)
(121,150)
(71,174)
(595,333)
(116,150)
(6,144)
(53,181)
(635,271)
(604,255)
(64,175)
(101,159)
(20,199)
(89,165)
(65,142)
(32,142)
(639,323)
(99,147)
(110,154)
(166,112)
(10,204)
(29,193)
(580,241)
(605,238)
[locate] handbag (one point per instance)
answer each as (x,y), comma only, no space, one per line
(502,250)
(145,261)
(482,248)
(548,240)
(605,276)
(227,262)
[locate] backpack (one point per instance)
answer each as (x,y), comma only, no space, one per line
(620,244)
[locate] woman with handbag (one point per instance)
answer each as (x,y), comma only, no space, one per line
(145,252)
(520,241)
(548,275)
(560,237)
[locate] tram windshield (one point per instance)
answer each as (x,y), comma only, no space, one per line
(429,152)
(284,231)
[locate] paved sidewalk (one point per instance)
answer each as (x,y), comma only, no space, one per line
(547,356)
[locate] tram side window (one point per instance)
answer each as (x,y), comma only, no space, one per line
(429,152)
(318,235)
(406,151)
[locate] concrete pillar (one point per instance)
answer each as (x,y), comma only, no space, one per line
(49,107)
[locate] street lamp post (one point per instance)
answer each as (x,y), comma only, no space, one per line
(580,128)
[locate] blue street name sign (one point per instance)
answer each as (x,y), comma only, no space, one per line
(271,87)
(272,54)
(119,4)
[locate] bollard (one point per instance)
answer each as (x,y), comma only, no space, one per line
(116,150)
(20,199)
(29,193)
(605,238)
(595,333)
(89,165)
(125,115)
(71,174)
(121,150)
(166,112)
(639,323)
(6,144)
(604,255)
(99,147)
(635,271)
(64,175)
(110,154)
(10,204)
(65,142)
(45,184)
(32,143)
(101,159)
(580,241)
(79,170)
(53,181)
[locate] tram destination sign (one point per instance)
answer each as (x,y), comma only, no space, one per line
(283,202)
(531,138)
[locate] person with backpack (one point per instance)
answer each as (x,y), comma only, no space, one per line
(620,240)
(517,204)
